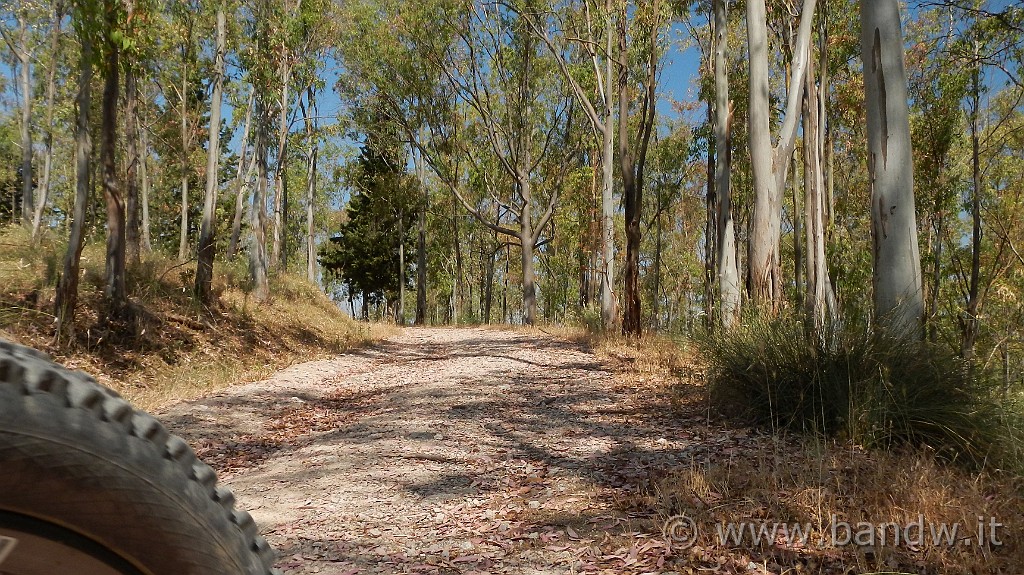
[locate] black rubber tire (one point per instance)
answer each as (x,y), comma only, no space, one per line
(73,453)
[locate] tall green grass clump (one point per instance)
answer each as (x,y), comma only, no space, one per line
(853,382)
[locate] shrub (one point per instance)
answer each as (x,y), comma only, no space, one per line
(869,386)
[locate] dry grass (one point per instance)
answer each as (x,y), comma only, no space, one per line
(774,480)
(179,350)
(750,475)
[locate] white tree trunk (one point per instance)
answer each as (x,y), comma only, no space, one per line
(609,313)
(898,296)
(147,241)
(279,191)
(770,165)
(51,73)
(67,286)
(183,233)
(25,80)
(728,271)
(258,245)
(242,177)
(208,228)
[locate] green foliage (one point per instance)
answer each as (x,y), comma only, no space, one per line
(872,387)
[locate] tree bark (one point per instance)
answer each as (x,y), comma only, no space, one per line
(258,250)
(66,298)
(728,270)
(183,234)
(421,247)
(898,297)
(970,323)
(114,291)
(820,301)
(609,313)
(24,58)
(51,83)
(242,178)
(280,195)
(147,242)
(631,162)
(400,308)
(311,173)
(770,165)
(457,280)
(526,241)
(208,228)
(131,123)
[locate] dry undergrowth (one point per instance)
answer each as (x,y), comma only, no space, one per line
(763,478)
(179,350)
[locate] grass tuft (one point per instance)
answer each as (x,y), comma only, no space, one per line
(855,383)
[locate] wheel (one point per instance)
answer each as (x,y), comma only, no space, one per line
(90,485)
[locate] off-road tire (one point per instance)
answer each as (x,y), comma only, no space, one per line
(76,456)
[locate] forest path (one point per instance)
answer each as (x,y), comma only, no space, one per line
(441,451)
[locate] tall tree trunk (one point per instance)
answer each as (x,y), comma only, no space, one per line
(258,250)
(969,320)
(770,165)
(208,228)
(400,308)
(67,286)
(51,83)
(655,309)
(183,234)
(311,159)
(280,195)
(242,178)
(819,301)
(131,124)
(710,227)
(421,248)
(114,289)
(147,241)
(728,271)
(898,294)
(526,241)
(799,252)
(24,58)
(609,313)
(631,161)
(457,280)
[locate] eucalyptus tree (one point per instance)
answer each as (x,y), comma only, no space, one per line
(114,288)
(45,180)
(820,298)
(582,42)
(86,21)
(636,85)
(770,162)
(314,32)
(184,20)
(143,35)
(898,297)
(728,269)
(22,48)
(243,175)
(258,63)
(498,116)
(521,108)
(207,234)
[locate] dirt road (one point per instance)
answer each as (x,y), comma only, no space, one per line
(444,451)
